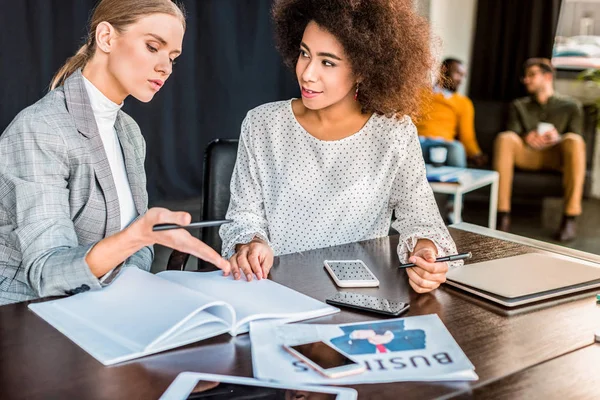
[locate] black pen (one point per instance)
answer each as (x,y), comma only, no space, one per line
(193,225)
(454,257)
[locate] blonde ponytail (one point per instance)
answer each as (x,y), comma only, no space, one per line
(71,65)
(120,14)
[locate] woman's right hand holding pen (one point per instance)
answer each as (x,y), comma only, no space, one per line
(427,274)
(113,250)
(178,239)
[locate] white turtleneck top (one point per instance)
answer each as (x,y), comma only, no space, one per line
(105,113)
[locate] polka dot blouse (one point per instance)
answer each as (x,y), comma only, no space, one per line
(300,193)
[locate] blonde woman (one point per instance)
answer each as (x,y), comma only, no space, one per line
(73,201)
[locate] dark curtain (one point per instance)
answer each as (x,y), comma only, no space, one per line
(508,32)
(228,66)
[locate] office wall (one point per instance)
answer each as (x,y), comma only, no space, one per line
(571,14)
(453,22)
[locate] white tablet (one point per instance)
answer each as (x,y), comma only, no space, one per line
(193,385)
(351,273)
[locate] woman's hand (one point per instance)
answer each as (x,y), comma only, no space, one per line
(178,239)
(427,275)
(253,257)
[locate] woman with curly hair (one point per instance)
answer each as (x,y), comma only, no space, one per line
(331,167)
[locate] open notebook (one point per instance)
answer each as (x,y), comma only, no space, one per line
(141,313)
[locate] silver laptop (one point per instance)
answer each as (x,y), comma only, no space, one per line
(527,278)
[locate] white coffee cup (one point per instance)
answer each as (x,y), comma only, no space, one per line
(438,155)
(544,127)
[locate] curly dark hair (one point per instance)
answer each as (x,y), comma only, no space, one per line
(387,43)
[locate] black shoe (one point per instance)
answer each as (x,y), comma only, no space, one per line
(503,222)
(567,231)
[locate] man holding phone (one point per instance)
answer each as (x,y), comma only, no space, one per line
(543,133)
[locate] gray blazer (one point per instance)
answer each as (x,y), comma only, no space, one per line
(58,197)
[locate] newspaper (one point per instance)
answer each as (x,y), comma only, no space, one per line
(404,349)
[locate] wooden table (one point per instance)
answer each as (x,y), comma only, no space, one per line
(36,361)
(572,376)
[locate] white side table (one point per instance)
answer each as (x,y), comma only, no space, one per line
(469,180)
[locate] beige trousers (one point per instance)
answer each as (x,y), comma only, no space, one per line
(568,156)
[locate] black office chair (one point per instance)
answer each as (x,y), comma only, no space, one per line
(219,161)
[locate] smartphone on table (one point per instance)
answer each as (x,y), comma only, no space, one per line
(368,303)
(325,359)
(351,273)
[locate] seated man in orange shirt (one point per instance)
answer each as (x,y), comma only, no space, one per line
(450,114)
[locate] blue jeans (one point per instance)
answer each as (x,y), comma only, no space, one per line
(457,157)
